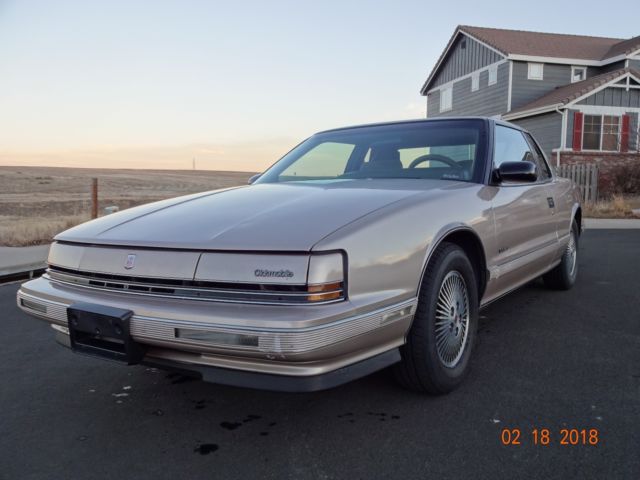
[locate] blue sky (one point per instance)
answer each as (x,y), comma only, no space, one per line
(234,84)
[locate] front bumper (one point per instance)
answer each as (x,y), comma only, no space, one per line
(294,343)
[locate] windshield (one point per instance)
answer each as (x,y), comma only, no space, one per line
(449,150)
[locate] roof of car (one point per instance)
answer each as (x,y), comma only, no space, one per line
(423,120)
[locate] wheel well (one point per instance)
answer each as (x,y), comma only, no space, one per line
(472,246)
(578,218)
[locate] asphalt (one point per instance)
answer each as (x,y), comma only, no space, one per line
(544,359)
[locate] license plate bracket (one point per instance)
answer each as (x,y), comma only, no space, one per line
(103,331)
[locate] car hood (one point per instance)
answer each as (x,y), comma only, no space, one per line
(263,217)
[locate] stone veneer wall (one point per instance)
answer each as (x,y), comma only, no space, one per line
(608,163)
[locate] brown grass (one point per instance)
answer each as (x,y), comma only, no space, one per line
(36,203)
(616,207)
(36,230)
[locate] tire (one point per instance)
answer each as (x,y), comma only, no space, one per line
(426,366)
(564,275)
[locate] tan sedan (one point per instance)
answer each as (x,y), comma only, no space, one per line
(362,248)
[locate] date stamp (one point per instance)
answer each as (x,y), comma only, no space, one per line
(546,436)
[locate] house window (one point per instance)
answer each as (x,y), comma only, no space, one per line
(601,132)
(475,81)
(446,99)
(536,71)
(493,74)
(578,74)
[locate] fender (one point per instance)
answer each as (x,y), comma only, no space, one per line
(437,240)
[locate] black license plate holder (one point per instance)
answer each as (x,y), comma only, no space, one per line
(103,331)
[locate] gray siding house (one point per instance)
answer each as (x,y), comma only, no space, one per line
(573,93)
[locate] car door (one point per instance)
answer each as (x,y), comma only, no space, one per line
(523,213)
(559,192)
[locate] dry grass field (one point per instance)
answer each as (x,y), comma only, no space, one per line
(618,206)
(38,202)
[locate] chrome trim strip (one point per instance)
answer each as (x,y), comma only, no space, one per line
(270,340)
(510,266)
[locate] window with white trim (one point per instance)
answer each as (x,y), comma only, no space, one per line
(601,132)
(475,81)
(578,74)
(493,74)
(535,71)
(446,98)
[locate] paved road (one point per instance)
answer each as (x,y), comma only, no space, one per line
(544,359)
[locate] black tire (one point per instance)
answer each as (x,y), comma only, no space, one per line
(422,368)
(563,276)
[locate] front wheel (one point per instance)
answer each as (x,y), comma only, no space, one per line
(564,275)
(436,357)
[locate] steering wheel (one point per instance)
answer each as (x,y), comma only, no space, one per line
(436,158)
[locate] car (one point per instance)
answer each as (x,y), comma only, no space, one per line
(362,248)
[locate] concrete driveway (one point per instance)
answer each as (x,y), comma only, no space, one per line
(545,359)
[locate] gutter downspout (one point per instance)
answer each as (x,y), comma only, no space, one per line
(563,139)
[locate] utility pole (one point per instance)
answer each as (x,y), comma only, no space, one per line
(94,198)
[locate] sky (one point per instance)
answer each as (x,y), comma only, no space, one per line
(233,84)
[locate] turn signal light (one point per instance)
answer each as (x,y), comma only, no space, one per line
(325,291)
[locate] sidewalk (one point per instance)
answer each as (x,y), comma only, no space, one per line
(22,259)
(615,223)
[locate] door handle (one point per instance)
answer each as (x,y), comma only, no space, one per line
(551,203)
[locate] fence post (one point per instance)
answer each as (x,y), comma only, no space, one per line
(94,198)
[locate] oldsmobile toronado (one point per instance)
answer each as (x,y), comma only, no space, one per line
(362,248)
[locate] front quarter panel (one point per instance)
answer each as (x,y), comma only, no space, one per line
(567,196)
(388,249)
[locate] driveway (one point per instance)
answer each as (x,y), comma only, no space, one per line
(545,359)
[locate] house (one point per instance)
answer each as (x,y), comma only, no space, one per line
(578,95)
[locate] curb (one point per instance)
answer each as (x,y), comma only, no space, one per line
(22,273)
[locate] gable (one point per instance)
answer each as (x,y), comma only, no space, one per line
(614,97)
(463,56)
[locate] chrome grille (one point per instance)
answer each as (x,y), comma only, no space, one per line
(199,290)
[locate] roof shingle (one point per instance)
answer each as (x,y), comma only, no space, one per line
(558,45)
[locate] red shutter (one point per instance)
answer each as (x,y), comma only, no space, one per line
(577,131)
(624,134)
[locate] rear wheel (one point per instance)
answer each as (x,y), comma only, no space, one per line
(564,275)
(436,357)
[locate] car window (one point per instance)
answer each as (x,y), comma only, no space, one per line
(447,150)
(326,160)
(510,146)
(544,173)
(408,155)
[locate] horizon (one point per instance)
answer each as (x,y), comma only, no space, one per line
(124,85)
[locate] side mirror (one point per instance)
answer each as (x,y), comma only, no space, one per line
(254,178)
(522,171)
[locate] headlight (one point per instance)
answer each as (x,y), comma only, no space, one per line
(325,279)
